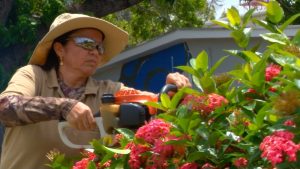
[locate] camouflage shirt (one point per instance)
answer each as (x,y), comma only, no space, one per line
(20,110)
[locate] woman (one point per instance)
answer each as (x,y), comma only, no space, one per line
(57,84)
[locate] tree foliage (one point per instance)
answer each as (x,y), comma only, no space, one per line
(149,19)
(24,22)
(290,7)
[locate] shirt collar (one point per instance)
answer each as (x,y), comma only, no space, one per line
(90,88)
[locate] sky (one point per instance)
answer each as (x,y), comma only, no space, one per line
(228,4)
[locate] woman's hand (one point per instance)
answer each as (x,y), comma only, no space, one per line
(178,79)
(81,117)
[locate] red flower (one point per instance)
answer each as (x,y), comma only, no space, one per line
(156,161)
(189,166)
(164,150)
(208,166)
(272,71)
(82,164)
(155,129)
(275,146)
(204,104)
(240,162)
(216,100)
(250,90)
(136,160)
(290,123)
(272,89)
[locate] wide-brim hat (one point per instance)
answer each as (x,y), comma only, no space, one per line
(115,40)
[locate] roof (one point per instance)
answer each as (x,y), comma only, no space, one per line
(182,35)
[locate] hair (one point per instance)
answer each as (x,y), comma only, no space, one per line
(52,60)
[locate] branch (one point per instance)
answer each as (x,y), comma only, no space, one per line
(103,7)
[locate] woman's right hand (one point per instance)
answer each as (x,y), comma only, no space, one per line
(81,117)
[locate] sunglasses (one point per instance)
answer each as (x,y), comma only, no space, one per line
(88,44)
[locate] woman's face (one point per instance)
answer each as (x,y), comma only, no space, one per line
(80,54)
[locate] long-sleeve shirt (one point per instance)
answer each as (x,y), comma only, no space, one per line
(21,110)
(28,100)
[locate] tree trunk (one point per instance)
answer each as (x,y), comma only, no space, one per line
(104,7)
(5,7)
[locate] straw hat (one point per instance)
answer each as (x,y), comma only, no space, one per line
(115,40)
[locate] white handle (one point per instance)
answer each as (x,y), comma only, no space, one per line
(66,141)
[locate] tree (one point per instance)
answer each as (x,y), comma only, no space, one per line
(23,22)
(149,19)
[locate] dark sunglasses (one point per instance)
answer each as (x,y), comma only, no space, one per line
(88,44)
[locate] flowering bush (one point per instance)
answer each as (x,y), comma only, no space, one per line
(244,118)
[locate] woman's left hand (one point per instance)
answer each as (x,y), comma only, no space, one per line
(178,79)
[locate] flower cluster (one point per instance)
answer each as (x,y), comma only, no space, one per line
(204,103)
(277,145)
(83,163)
(272,71)
(240,162)
(152,150)
(153,130)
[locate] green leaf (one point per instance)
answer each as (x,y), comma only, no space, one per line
(182,112)
(202,61)
(176,142)
(241,38)
(296,39)
(287,60)
(288,22)
(266,25)
(107,157)
(189,70)
(155,105)
(233,16)
(190,91)
(253,127)
(184,124)
(208,84)
(275,38)
(247,16)
(224,88)
(274,12)
(238,53)
(223,24)
(129,134)
(194,124)
(177,98)
(194,156)
(118,151)
(252,57)
(258,74)
(255,47)
(216,65)
(197,82)
(261,115)
(165,100)
(240,75)
(193,63)
(213,138)
(91,165)
(98,147)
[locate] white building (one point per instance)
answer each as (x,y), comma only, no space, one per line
(146,65)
